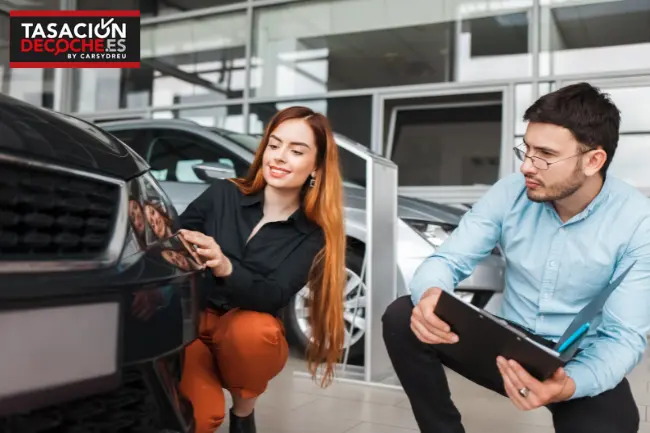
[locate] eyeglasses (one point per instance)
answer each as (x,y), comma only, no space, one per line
(541,163)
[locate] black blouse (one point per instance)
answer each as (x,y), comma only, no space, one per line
(268,270)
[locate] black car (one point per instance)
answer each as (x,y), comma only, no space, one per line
(97,301)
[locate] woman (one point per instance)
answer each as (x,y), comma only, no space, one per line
(263,238)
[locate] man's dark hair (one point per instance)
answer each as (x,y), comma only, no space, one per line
(583,109)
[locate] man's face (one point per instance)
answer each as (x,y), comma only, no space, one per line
(557,146)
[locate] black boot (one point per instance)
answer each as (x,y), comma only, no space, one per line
(242,425)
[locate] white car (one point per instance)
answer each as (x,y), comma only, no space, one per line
(184,156)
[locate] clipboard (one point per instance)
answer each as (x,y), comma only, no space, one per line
(483,336)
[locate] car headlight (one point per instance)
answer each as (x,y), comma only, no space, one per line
(433,232)
(436,233)
(152,217)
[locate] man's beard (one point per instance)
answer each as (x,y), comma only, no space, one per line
(559,190)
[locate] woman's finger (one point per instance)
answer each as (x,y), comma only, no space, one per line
(213,263)
(208,253)
(199,239)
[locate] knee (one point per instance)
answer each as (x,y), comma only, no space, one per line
(255,333)
(208,422)
(396,320)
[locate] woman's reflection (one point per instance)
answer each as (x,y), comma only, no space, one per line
(158,219)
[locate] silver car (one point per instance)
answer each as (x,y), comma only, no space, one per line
(184,156)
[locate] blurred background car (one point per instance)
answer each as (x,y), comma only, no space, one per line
(185,156)
(94,315)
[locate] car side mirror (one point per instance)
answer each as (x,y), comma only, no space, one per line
(208,171)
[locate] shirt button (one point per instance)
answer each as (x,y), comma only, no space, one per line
(541,318)
(551,264)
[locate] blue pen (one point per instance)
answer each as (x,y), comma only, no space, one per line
(584,328)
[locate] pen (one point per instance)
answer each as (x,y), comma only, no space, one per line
(584,328)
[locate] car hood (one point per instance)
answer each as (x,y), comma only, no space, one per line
(408,207)
(49,136)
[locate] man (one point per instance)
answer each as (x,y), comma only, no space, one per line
(566,230)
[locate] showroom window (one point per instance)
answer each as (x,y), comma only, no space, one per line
(153,8)
(630,160)
(524,98)
(447,140)
(319,46)
(349,116)
(579,37)
(194,60)
(633,151)
(33,85)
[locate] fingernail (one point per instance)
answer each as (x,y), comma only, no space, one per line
(454,338)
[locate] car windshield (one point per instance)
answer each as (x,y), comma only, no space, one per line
(352,166)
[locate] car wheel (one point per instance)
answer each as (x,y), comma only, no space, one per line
(296,317)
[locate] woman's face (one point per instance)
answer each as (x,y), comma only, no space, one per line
(156,221)
(176,259)
(290,155)
(135,214)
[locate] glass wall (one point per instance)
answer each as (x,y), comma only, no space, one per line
(241,61)
(597,36)
(630,161)
(187,61)
(153,8)
(319,46)
(35,86)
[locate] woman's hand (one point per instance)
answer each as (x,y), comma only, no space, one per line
(208,248)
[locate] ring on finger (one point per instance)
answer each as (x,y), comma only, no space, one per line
(524,392)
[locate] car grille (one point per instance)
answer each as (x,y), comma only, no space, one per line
(131,408)
(52,215)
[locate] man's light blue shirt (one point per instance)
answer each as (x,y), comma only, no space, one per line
(553,269)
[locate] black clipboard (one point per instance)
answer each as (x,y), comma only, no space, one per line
(483,336)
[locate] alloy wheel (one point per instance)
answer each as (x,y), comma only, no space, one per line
(354,309)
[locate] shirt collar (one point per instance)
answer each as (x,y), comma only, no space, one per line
(600,198)
(299,218)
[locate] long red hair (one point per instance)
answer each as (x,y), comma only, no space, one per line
(323,204)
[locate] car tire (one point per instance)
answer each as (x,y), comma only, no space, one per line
(297,327)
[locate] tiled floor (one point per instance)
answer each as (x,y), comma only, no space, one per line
(297,405)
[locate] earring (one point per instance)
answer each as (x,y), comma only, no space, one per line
(312,182)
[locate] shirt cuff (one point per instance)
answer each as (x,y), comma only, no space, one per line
(586,381)
(239,278)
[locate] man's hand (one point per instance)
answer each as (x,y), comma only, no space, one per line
(216,260)
(428,327)
(559,387)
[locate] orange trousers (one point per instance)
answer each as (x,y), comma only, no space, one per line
(240,351)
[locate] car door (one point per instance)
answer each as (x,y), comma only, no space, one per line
(172,153)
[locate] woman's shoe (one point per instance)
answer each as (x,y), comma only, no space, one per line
(242,425)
